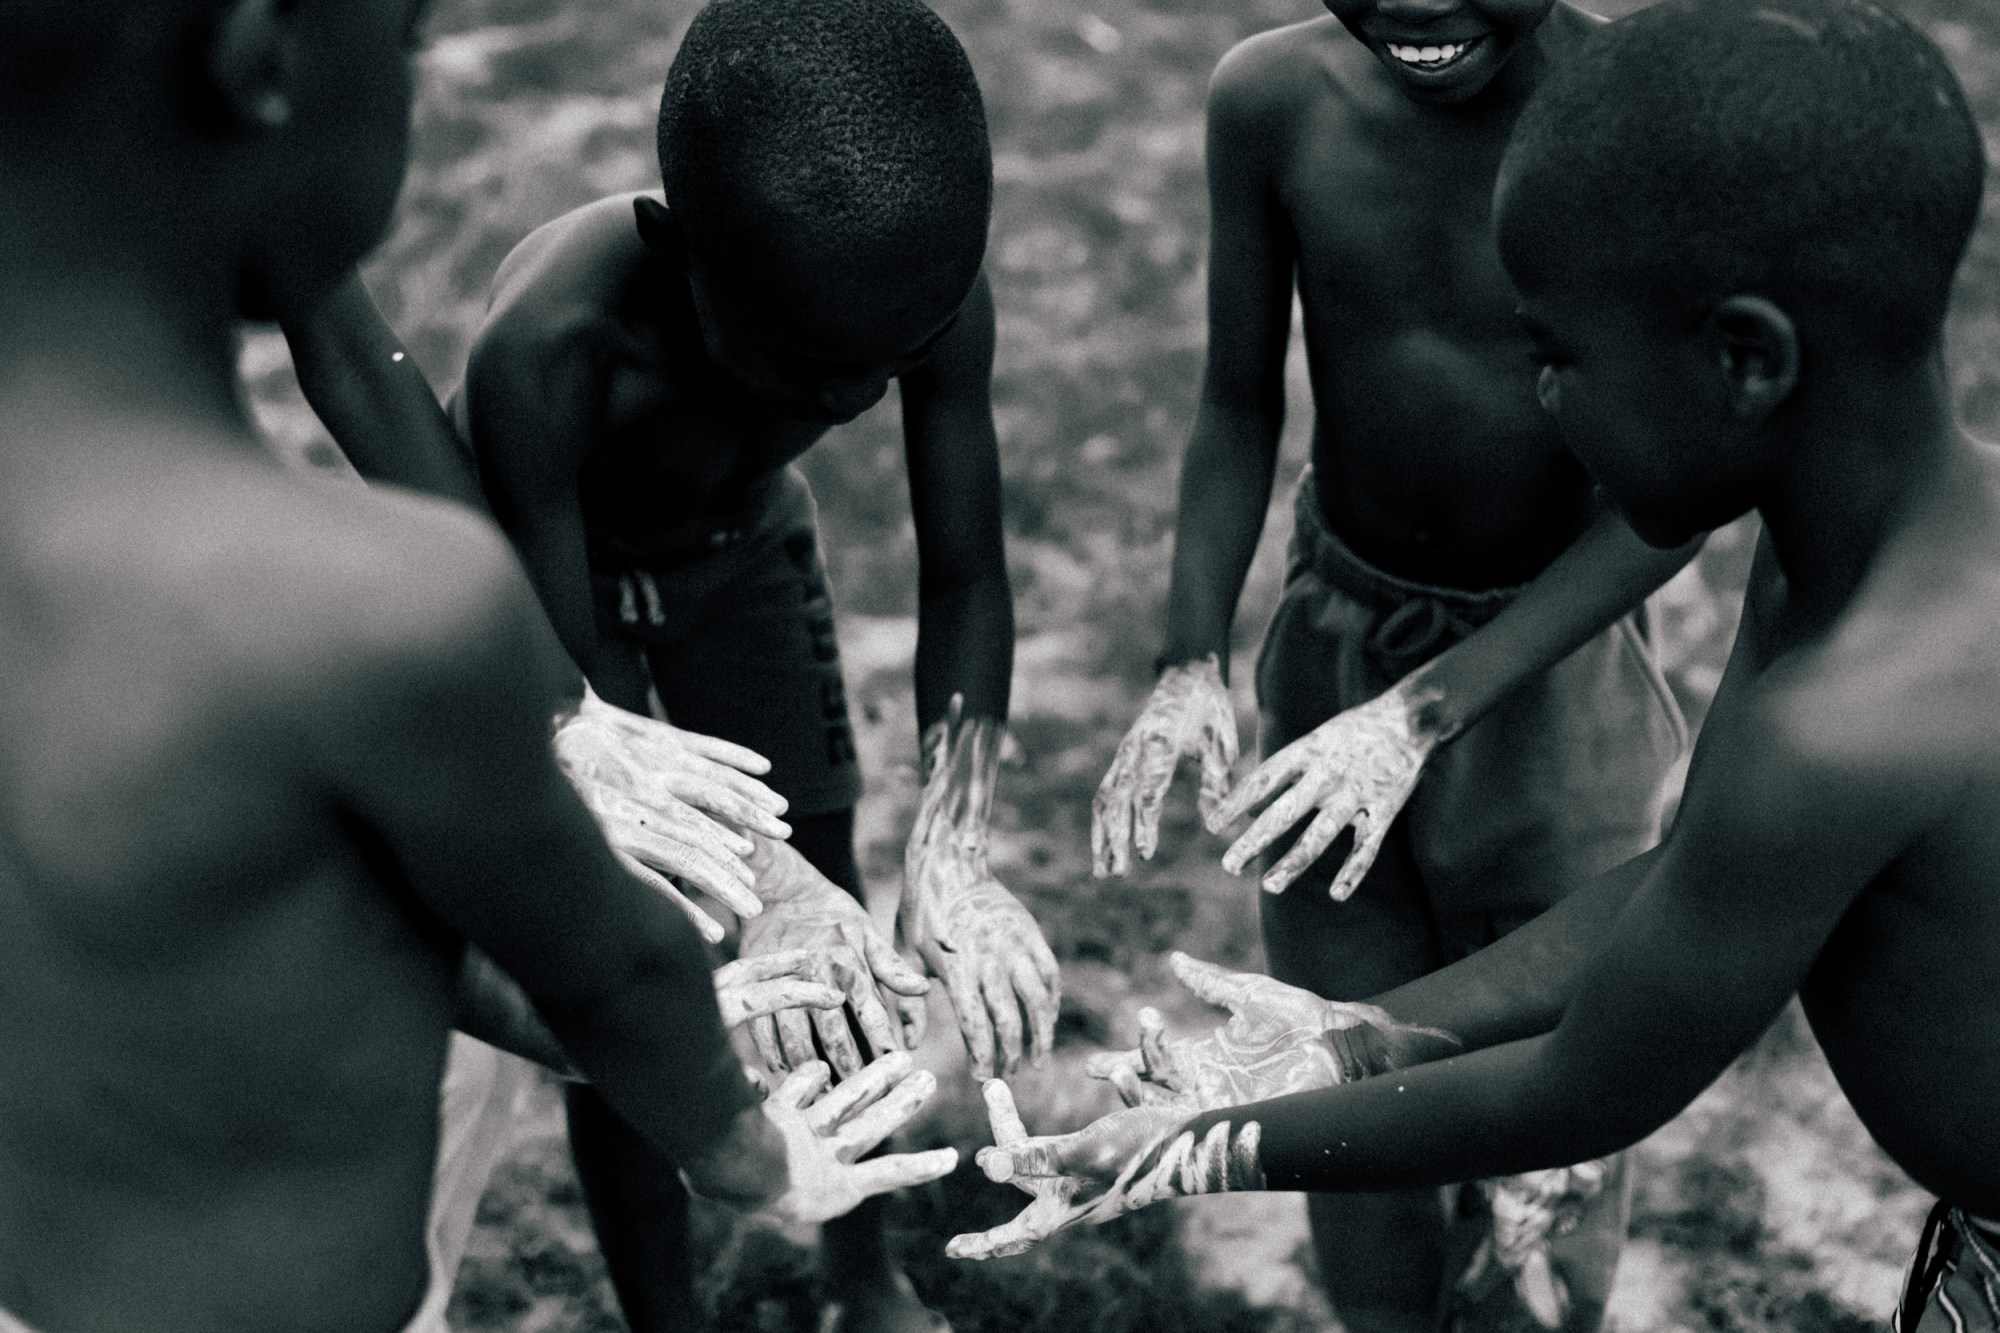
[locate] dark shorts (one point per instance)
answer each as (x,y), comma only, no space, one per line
(739,638)
(1561,781)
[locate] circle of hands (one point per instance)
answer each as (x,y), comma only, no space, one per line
(971,933)
(1355,770)
(671,802)
(1279,1039)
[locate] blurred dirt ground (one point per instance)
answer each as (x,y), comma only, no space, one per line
(1763,1207)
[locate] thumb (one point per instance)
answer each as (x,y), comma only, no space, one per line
(1219,986)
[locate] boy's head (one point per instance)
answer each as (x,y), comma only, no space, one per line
(828,182)
(1712,199)
(261,139)
(1442,51)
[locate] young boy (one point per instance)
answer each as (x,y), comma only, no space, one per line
(1744,311)
(1439,510)
(647,373)
(273,752)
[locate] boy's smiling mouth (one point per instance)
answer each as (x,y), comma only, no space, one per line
(1431,56)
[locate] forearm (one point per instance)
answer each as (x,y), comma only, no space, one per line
(1495,1112)
(649,1036)
(1603,575)
(965,646)
(1520,985)
(375,401)
(1225,489)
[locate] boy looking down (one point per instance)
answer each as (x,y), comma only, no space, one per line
(243,865)
(1461,626)
(1745,313)
(647,373)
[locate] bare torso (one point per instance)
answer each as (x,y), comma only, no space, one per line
(1434,459)
(678,450)
(1901,995)
(223,1025)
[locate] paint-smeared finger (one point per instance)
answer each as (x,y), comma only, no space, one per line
(711,929)
(836,1040)
(1002,1114)
(1002,1242)
(1105,1064)
(800,963)
(900,1171)
(1266,778)
(998,993)
(1369,833)
(913,1019)
(891,969)
(1040,1005)
(1155,1062)
(1130,1090)
(1217,985)
(866,1129)
(648,856)
(1311,845)
(1278,816)
(764,1033)
(739,757)
(802,1085)
(973,1023)
(1111,821)
(1158,759)
(740,1004)
(847,1097)
(795,1038)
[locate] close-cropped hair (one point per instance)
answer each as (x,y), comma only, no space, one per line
(856,125)
(1817,149)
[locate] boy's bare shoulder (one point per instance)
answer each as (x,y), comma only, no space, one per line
(1908,682)
(1279,73)
(562,286)
(292,590)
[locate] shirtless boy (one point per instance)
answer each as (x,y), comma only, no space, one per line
(1745,312)
(243,863)
(1353,157)
(646,375)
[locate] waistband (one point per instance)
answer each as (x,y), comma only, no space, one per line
(785,502)
(1321,549)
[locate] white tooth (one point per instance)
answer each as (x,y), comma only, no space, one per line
(1454,52)
(1428,54)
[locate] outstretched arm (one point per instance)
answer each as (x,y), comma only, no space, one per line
(1226,475)
(1358,768)
(1771,849)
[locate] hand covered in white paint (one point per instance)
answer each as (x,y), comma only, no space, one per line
(755,987)
(1356,769)
(1188,713)
(1115,1165)
(1279,1039)
(806,912)
(671,802)
(827,1130)
(971,933)
(1530,1212)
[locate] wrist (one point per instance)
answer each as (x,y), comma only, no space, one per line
(746,1167)
(1200,661)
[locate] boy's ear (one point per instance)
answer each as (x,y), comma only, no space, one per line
(1757,346)
(252,62)
(660,230)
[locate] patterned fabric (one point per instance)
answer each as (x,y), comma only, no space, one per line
(1954,1281)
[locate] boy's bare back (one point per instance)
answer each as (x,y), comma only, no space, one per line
(218,998)
(1434,460)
